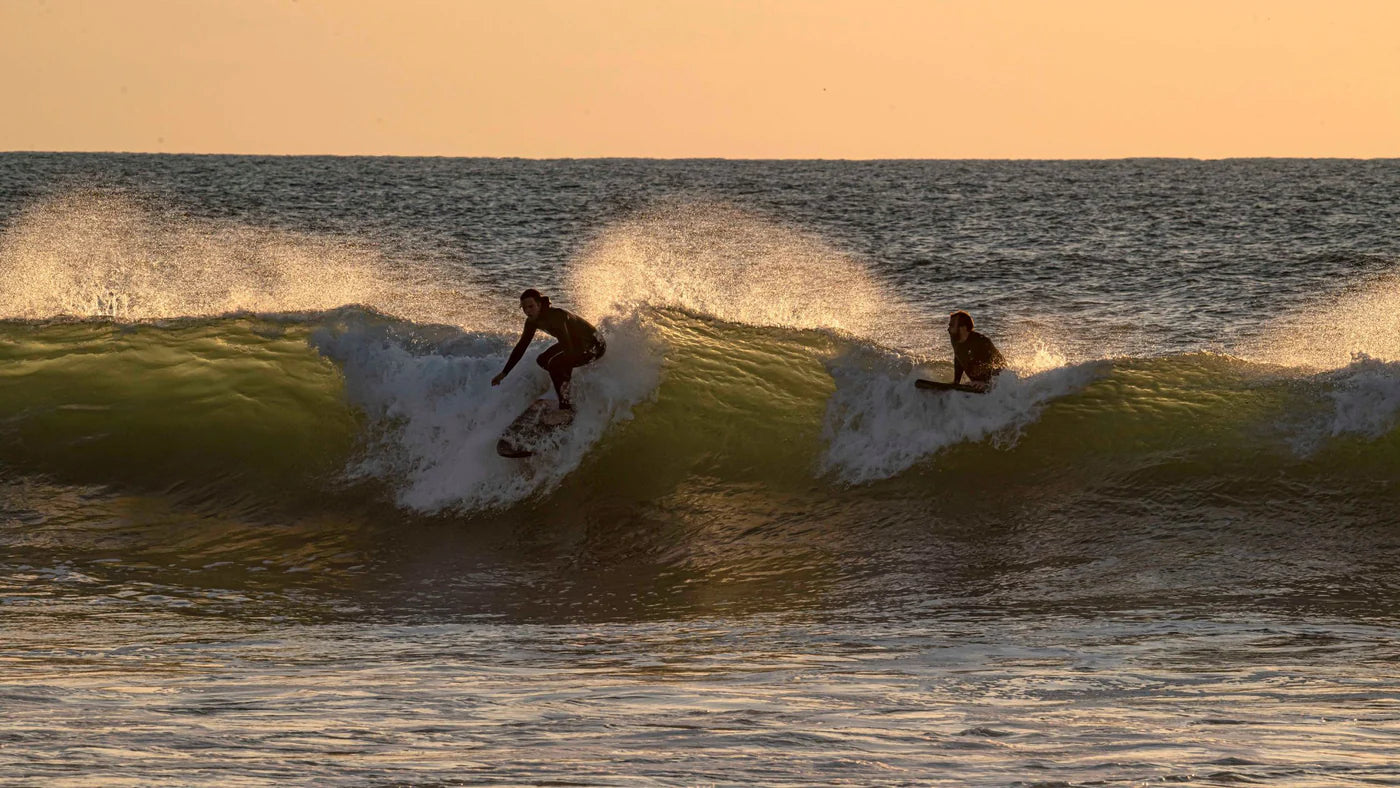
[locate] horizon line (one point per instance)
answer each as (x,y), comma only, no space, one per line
(1148,157)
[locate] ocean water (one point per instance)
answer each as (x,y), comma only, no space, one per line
(254,531)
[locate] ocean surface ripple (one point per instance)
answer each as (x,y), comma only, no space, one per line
(255,530)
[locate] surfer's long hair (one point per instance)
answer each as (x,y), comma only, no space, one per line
(535,294)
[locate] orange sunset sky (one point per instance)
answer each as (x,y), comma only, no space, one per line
(721,78)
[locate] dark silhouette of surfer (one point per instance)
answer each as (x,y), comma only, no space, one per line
(973,353)
(578,344)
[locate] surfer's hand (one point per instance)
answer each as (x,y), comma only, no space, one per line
(496,381)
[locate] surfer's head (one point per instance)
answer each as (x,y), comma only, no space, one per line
(959,325)
(533,303)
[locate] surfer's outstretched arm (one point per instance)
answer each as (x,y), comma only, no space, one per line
(957,371)
(516,354)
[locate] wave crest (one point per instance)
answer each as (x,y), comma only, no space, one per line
(878,423)
(435,417)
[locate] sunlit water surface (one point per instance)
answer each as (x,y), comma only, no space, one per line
(253,530)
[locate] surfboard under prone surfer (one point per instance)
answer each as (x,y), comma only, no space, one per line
(579,343)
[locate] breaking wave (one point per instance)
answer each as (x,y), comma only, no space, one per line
(240,366)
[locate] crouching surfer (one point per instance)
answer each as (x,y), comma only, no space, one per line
(578,344)
(973,353)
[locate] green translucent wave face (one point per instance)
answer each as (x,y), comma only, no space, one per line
(737,403)
(242,404)
(246,407)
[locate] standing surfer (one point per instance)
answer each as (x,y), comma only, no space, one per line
(973,352)
(578,343)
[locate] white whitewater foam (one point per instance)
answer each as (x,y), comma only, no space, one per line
(436,418)
(878,423)
(1365,397)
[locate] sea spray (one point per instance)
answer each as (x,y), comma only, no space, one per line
(91,254)
(1347,348)
(719,261)
(1329,332)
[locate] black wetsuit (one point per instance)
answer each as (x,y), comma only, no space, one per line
(578,344)
(977,357)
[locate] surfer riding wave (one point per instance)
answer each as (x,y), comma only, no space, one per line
(579,343)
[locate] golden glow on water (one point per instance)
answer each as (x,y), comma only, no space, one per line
(773,79)
(211,701)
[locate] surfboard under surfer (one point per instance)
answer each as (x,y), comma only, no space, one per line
(579,344)
(973,353)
